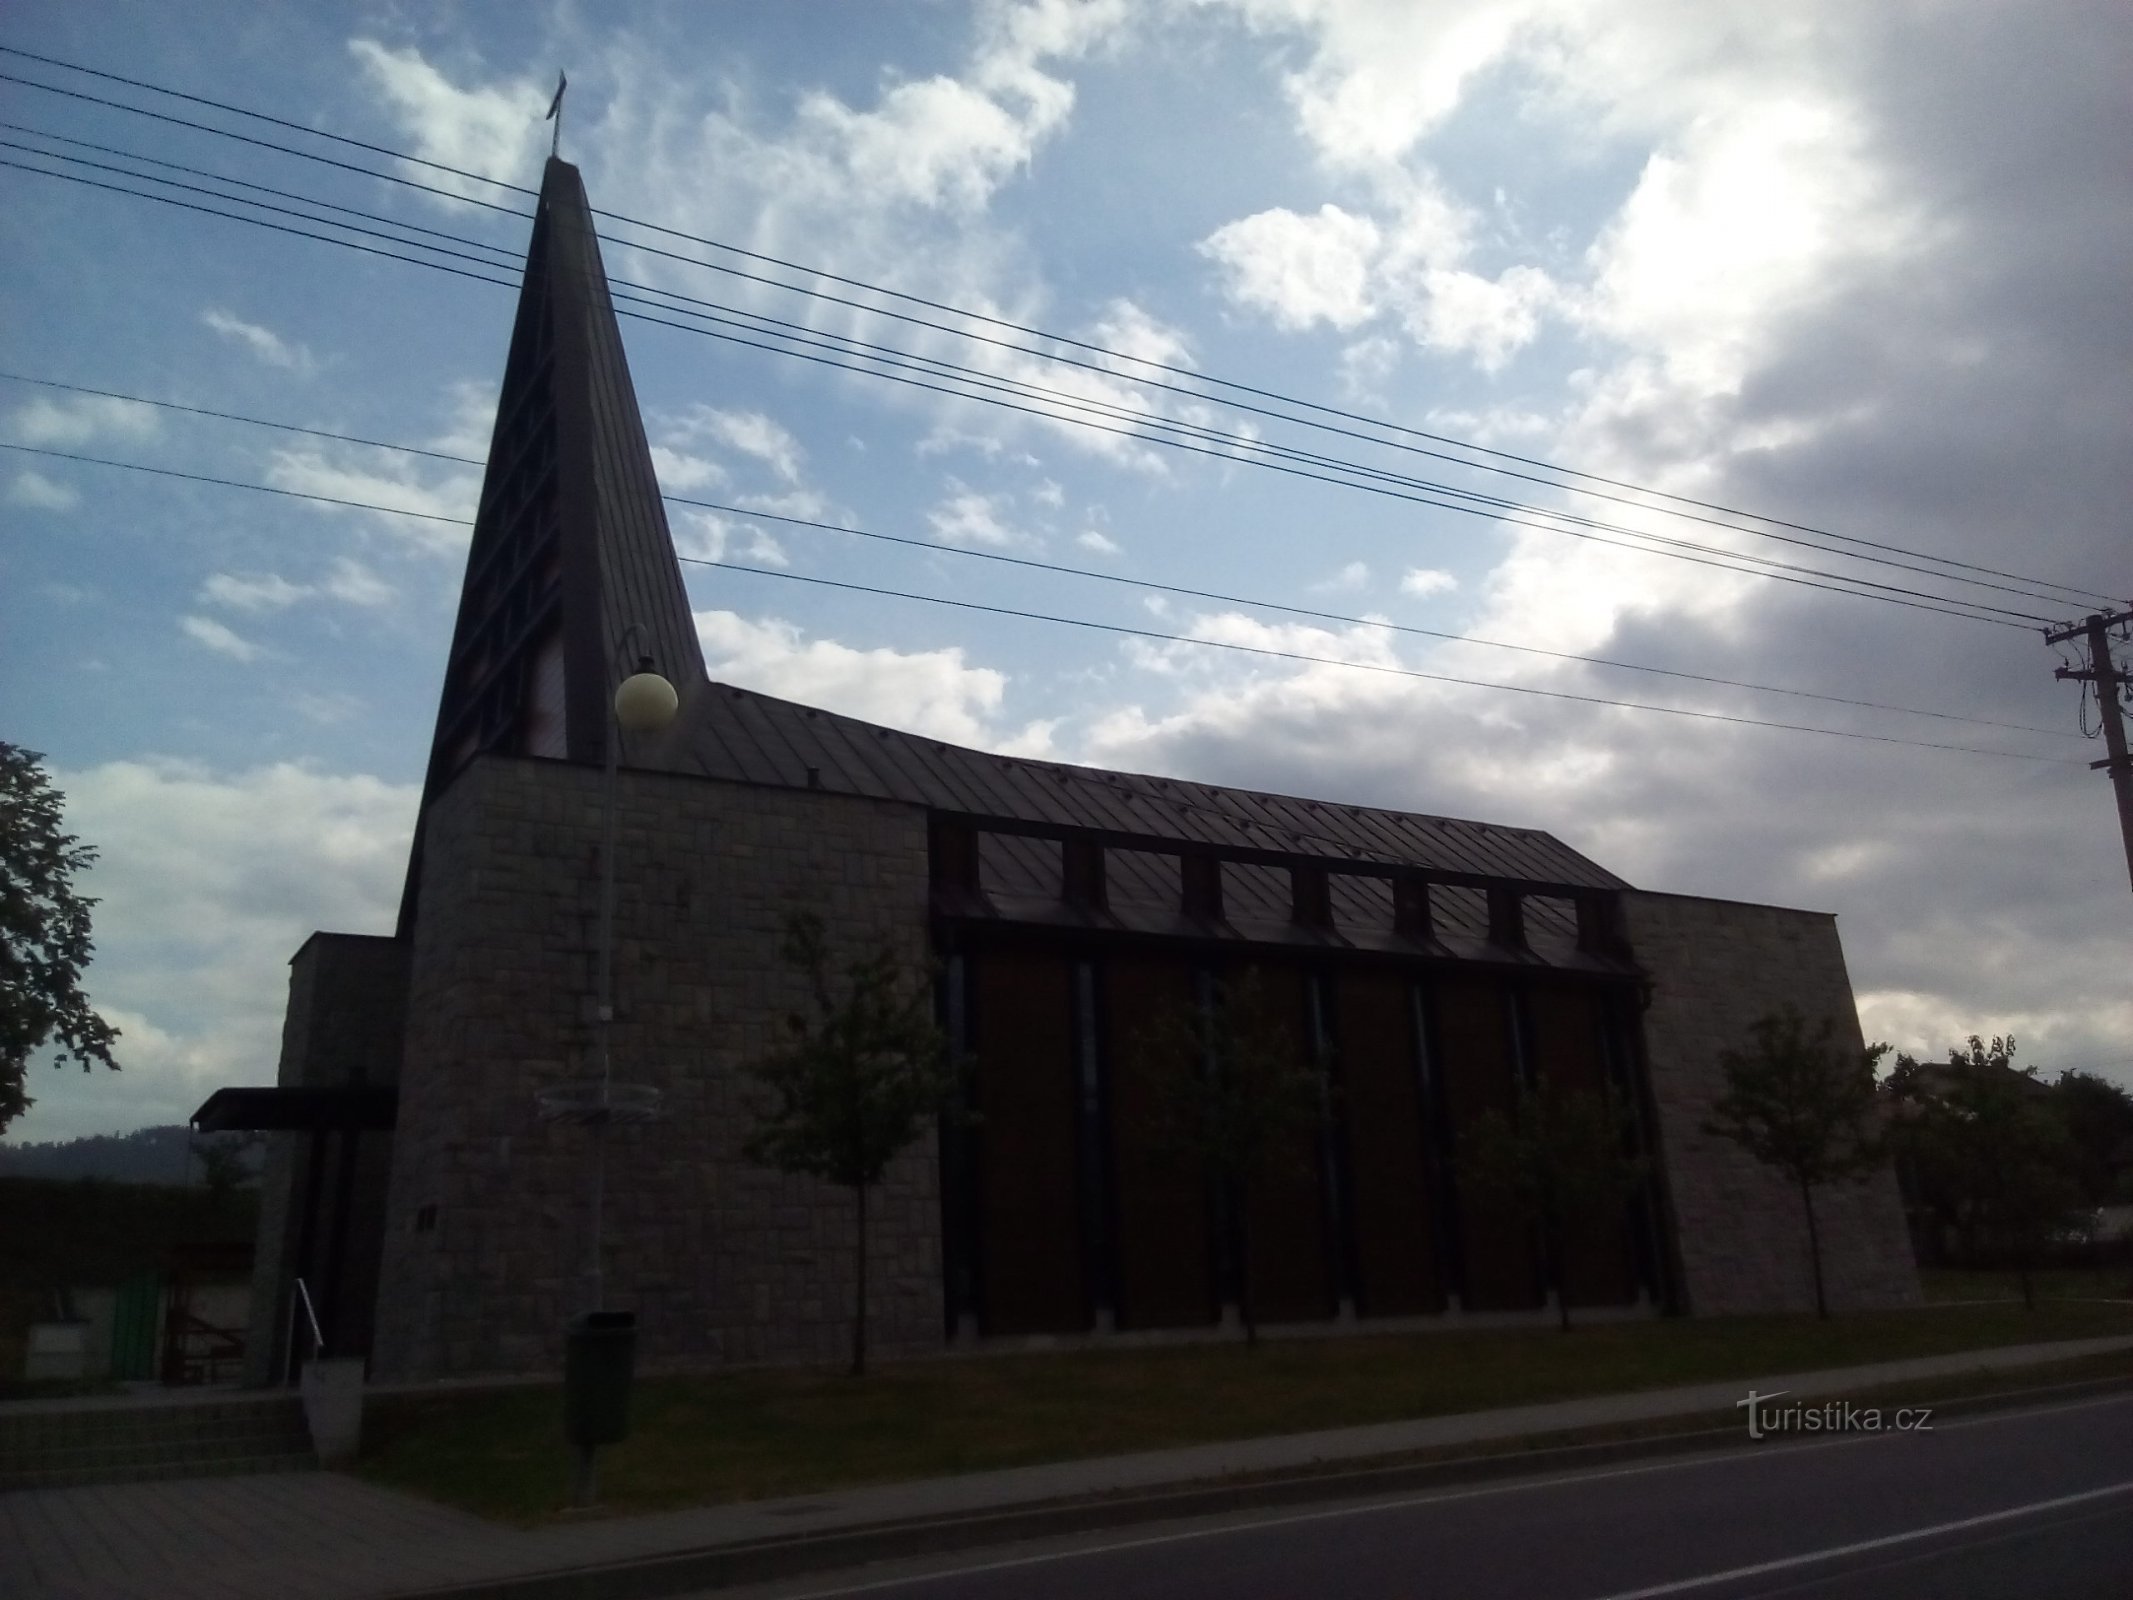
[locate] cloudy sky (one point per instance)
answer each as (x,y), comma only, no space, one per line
(1858,268)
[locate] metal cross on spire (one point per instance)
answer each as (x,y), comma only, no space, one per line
(555,115)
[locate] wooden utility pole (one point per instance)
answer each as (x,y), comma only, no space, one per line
(2107,677)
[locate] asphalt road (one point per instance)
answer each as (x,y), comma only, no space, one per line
(2035,1503)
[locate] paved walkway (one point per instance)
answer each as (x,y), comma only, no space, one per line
(329,1537)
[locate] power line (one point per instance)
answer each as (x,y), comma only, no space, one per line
(1359,666)
(234,483)
(261,222)
(1109,627)
(1782,572)
(242,111)
(1145,362)
(1360,622)
(1063,569)
(234,416)
(1249,450)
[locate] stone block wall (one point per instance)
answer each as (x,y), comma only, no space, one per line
(1716,967)
(488,1218)
(346,1016)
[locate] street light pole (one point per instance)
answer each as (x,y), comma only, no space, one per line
(644,703)
(599,1347)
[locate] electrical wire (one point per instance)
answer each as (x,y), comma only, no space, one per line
(1121,629)
(1249,449)
(1669,498)
(1359,666)
(1066,570)
(1979,611)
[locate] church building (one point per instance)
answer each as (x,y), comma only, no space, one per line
(440,1216)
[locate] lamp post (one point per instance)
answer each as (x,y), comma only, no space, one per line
(600,1346)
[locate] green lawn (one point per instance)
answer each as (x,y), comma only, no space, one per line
(1944,1284)
(761,1434)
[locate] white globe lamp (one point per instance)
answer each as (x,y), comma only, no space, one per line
(645,702)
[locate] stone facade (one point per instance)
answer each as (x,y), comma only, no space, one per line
(347,1012)
(1739,1228)
(488,1216)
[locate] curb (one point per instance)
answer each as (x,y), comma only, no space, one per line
(763,1560)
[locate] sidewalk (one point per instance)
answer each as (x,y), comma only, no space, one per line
(331,1537)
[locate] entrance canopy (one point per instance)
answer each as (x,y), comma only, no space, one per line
(358,1108)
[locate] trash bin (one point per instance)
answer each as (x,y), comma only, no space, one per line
(599,1358)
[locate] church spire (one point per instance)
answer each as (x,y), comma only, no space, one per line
(570,550)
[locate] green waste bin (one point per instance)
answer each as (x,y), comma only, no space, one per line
(599,1358)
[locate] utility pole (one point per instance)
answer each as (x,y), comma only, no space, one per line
(2107,677)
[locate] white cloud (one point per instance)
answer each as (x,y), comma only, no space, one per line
(1490,319)
(1426,581)
(1735,226)
(266,591)
(680,473)
(750,432)
(1132,330)
(471,408)
(1383,75)
(306,470)
(1344,269)
(1102,544)
(327,709)
(207,882)
(496,131)
(932,692)
(967,517)
(33,489)
(1300,270)
(948,143)
(263,342)
(79,419)
(1348,580)
(356,584)
(701,535)
(1049,494)
(219,638)
(348,580)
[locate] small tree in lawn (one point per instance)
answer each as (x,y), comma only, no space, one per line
(2001,1143)
(44,933)
(859,1077)
(1804,1104)
(1561,1154)
(1234,1086)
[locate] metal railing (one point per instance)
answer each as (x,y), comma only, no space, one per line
(301,1301)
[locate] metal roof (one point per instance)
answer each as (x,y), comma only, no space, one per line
(741,736)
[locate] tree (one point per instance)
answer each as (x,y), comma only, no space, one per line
(44,933)
(226,1164)
(2099,1119)
(1804,1104)
(1990,1144)
(1235,1084)
(860,1075)
(1557,1156)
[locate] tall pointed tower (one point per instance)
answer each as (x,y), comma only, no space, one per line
(571,549)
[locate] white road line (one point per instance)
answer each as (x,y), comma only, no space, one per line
(1763,1452)
(1985,1519)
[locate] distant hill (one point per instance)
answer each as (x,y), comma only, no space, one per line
(146,1155)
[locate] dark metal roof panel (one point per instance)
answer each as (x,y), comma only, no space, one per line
(757,738)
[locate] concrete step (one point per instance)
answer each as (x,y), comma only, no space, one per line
(164,1438)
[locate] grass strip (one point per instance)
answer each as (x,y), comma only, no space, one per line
(773,1433)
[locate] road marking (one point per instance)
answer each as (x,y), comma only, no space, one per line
(1482,1491)
(1912,1536)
